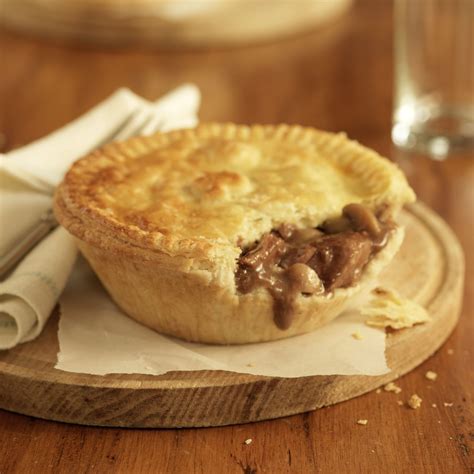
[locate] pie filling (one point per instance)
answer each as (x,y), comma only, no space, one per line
(289,261)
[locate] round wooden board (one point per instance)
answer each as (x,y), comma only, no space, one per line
(429,268)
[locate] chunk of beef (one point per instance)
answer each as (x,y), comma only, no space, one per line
(339,258)
(268,252)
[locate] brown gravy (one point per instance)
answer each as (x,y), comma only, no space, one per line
(288,261)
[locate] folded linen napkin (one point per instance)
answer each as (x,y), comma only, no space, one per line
(28,177)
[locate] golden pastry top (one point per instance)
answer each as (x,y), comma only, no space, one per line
(224,185)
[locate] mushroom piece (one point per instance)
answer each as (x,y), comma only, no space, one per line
(336,225)
(304,279)
(308,235)
(362,218)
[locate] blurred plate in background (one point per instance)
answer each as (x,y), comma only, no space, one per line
(170,23)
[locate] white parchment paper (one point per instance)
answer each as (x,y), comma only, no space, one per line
(96,337)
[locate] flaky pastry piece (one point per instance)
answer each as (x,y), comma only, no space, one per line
(235,234)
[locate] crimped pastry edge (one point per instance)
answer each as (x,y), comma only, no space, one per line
(388,180)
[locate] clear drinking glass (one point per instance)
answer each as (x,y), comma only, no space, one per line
(434,76)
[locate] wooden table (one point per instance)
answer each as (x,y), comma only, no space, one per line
(339,78)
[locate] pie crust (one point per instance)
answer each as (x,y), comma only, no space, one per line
(163,219)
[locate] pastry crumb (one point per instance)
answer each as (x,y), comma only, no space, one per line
(430,375)
(391,387)
(399,402)
(357,335)
(248,441)
(446,404)
(362,422)
(250,365)
(378,390)
(434,405)
(450,352)
(414,401)
(389,309)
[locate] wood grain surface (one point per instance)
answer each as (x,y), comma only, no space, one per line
(214,398)
(339,78)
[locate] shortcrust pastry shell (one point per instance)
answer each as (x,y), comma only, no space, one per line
(180,280)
